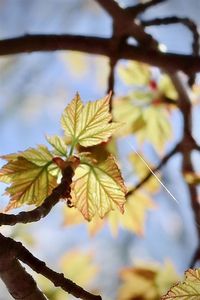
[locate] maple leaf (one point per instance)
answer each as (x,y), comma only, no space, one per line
(29,176)
(59,144)
(188,289)
(90,124)
(133,218)
(97,189)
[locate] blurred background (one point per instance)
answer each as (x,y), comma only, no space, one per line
(34,90)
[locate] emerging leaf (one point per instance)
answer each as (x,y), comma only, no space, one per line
(90,124)
(59,145)
(97,189)
(188,289)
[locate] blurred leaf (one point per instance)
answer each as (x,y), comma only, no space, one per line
(158,128)
(141,170)
(90,124)
(97,189)
(29,176)
(75,62)
(146,282)
(149,123)
(135,73)
(134,216)
(128,114)
(167,88)
(188,289)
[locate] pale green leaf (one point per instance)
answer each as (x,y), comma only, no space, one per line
(189,289)
(59,145)
(89,125)
(97,189)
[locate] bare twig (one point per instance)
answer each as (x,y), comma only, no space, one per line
(154,170)
(40,267)
(61,191)
(178,20)
(141,7)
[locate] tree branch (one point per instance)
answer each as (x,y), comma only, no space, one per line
(61,191)
(40,267)
(102,46)
(19,283)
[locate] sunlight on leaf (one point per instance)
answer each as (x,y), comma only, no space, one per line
(189,289)
(29,176)
(59,145)
(97,189)
(90,124)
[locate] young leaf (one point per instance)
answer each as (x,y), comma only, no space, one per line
(97,189)
(59,145)
(90,124)
(188,289)
(29,175)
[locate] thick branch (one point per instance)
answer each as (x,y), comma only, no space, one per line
(19,283)
(61,191)
(157,168)
(102,46)
(40,267)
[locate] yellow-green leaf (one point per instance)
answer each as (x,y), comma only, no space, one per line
(97,189)
(30,181)
(189,289)
(59,145)
(90,124)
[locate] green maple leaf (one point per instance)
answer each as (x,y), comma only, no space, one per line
(188,289)
(29,176)
(90,124)
(97,189)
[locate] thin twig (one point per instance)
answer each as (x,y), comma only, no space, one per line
(178,20)
(141,7)
(154,170)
